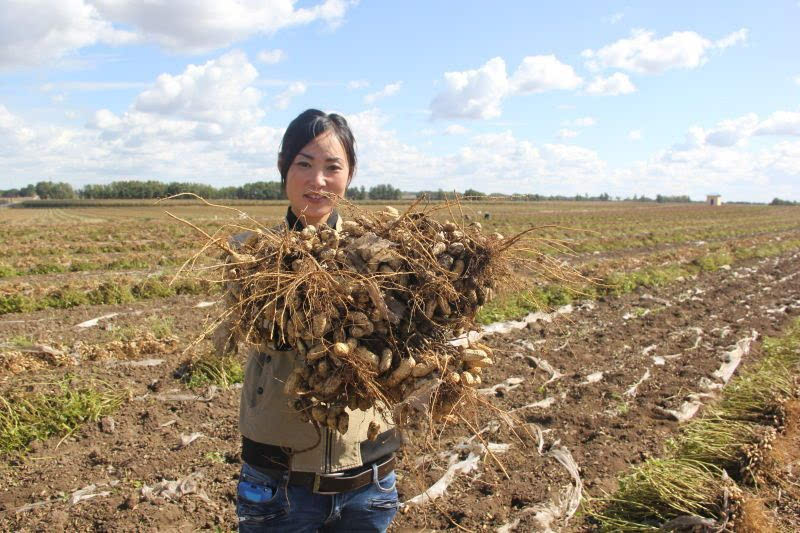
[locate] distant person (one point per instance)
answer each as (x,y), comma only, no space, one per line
(293,478)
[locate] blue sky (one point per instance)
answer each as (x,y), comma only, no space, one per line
(575,97)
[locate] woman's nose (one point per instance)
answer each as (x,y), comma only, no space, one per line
(318,177)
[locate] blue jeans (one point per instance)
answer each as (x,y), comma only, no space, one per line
(266,503)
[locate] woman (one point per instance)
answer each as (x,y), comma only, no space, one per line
(295,476)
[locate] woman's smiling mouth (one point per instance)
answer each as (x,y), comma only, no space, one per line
(314,197)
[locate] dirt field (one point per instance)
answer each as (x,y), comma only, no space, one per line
(597,380)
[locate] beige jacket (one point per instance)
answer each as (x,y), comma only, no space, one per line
(266,417)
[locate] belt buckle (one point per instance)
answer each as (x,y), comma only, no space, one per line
(315,486)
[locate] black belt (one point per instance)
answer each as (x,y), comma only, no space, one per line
(334,484)
(274,461)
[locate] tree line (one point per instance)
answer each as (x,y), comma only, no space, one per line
(472,194)
(151,189)
(272,190)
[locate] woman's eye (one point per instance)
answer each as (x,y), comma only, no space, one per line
(304,164)
(334,168)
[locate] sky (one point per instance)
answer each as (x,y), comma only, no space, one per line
(555,98)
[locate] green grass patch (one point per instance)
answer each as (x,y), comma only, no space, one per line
(63,299)
(110,293)
(713,261)
(27,417)
(83,266)
(47,268)
(107,293)
(208,370)
(7,271)
(620,283)
(127,264)
(658,491)
(520,304)
(719,441)
(16,303)
(152,288)
(19,341)
(160,327)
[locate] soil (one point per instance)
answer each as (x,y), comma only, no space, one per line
(675,335)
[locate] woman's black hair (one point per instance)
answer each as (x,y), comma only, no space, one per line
(305,128)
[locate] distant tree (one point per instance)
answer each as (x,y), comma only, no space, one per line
(356,193)
(472,194)
(384,192)
(261,190)
(778,201)
(57,191)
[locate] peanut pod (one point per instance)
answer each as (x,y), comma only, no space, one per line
(402,371)
(317,351)
(331,385)
(367,357)
(424,368)
(386,361)
(472,354)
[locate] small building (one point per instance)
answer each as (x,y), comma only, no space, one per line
(713,199)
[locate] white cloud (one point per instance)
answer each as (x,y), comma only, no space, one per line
(104,119)
(735,132)
(780,123)
(388,90)
(34,32)
(218,92)
(797,79)
(479,93)
(613,19)
(616,84)
(357,84)
(537,74)
(732,39)
(456,129)
(283,99)
(473,93)
(203,25)
(565,133)
(635,135)
(644,54)
(271,57)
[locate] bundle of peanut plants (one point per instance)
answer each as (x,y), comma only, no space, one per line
(370,308)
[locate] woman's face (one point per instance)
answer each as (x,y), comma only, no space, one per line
(320,166)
